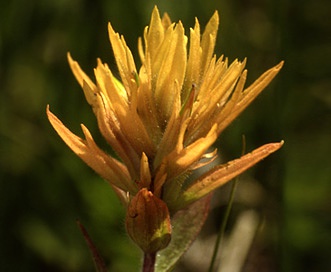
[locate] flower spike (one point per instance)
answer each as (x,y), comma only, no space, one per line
(162,121)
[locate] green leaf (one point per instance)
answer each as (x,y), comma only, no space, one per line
(186,225)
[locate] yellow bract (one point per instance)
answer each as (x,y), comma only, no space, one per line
(162,119)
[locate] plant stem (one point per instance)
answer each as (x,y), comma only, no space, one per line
(220,235)
(221,232)
(149,262)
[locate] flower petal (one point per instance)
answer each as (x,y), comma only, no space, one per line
(81,77)
(146,106)
(249,94)
(210,103)
(154,34)
(221,174)
(145,173)
(124,60)
(208,41)
(107,167)
(194,61)
(129,123)
(78,72)
(170,136)
(172,61)
(110,128)
(183,159)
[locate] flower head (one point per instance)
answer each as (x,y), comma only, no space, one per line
(162,118)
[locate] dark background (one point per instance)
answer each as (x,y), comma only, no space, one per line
(44,187)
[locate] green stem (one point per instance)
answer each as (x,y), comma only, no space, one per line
(149,262)
(220,235)
(221,232)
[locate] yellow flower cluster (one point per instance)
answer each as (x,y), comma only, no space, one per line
(162,118)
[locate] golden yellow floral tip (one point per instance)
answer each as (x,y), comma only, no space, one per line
(162,118)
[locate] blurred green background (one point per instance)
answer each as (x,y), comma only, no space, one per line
(44,187)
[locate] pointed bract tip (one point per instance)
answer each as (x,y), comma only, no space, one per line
(155,11)
(215,17)
(69,56)
(216,14)
(280,65)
